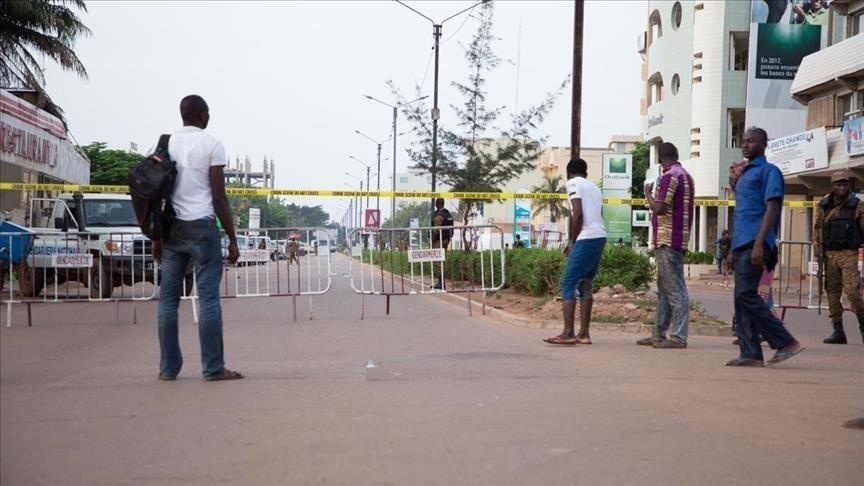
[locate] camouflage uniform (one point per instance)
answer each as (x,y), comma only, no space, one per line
(841,265)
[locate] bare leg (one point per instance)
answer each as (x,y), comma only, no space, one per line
(585,321)
(569,317)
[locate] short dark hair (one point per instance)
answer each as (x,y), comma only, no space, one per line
(668,151)
(763,135)
(191,107)
(577,167)
(439,202)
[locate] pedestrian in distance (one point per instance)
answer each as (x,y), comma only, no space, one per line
(292,251)
(199,198)
(723,244)
(518,243)
(672,207)
(441,237)
(583,251)
(758,198)
(838,234)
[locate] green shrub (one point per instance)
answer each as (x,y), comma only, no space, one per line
(621,265)
(535,270)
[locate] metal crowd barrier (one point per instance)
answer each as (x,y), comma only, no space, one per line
(797,276)
(71,266)
(275,262)
(409,261)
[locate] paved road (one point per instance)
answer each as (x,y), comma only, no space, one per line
(427,395)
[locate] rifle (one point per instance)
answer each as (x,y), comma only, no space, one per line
(820,277)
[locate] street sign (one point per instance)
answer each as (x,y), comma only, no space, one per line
(373,218)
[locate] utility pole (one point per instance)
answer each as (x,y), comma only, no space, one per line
(576,110)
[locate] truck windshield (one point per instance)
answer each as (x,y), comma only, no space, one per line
(109,212)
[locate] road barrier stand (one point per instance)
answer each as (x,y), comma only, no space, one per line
(426,260)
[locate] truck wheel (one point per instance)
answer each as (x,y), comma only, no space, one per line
(30,280)
(101,289)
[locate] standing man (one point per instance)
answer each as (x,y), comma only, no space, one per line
(756,223)
(723,244)
(518,243)
(441,237)
(199,198)
(837,236)
(672,205)
(584,250)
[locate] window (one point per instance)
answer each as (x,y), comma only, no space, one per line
(655,29)
(739,45)
(655,88)
(676,84)
(735,127)
(854,24)
(676,15)
(844,105)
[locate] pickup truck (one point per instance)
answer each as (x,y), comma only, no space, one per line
(96,239)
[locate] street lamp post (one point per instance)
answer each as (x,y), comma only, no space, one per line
(360,199)
(368,168)
(436,34)
(377,199)
(395,109)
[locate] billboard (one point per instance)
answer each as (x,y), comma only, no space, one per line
(800,152)
(522,220)
(853,131)
(778,43)
(616,183)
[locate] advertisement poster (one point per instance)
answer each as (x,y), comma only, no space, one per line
(780,37)
(522,220)
(853,133)
(801,152)
(617,180)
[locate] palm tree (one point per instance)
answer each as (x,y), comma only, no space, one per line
(29,28)
(556,207)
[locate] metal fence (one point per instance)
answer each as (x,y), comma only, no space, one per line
(426,260)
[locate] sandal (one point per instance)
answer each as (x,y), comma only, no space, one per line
(786,353)
(753,363)
(561,340)
(583,340)
(226,374)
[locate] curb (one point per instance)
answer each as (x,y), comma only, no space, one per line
(631,327)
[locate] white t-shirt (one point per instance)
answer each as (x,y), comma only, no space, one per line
(195,152)
(592,202)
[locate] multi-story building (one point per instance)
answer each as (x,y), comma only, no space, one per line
(695,73)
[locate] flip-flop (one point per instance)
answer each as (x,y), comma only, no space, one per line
(753,363)
(583,340)
(781,355)
(561,340)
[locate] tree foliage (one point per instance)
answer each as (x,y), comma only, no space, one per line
(556,207)
(275,214)
(640,166)
(109,166)
(30,29)
(476,155)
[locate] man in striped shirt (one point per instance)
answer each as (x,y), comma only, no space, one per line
(672,204)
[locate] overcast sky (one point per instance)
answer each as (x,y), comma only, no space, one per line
(286,79)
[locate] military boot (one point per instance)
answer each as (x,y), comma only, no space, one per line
(839,336)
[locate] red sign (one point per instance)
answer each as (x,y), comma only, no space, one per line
(373,218)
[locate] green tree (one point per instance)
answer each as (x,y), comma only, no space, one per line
(556,207)
(468,158)
(30,29)
(109,166)
(274,213)
(640,166)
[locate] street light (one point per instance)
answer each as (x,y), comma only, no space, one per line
(436,34)
(368,168)
(377,199)
(395,109)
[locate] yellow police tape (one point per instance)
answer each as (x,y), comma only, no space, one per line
(251,191)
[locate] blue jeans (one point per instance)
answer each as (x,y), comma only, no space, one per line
(753,315)
(195,242)
(582,265)
(673,302)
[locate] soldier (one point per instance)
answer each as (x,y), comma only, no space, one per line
(837,232)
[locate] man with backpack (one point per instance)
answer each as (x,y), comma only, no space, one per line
(198,199)
(441,237)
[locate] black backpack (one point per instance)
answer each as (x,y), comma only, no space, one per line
(448,221)
(151,184)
